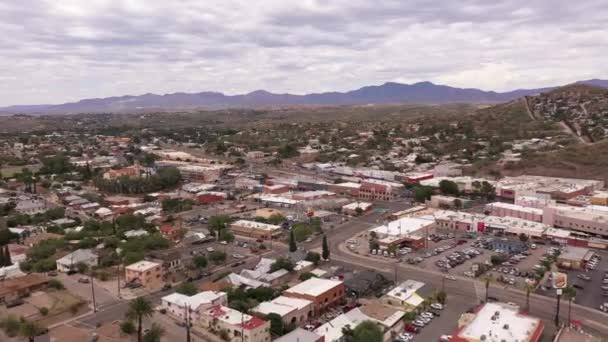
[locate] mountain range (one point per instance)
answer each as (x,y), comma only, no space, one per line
(387,93)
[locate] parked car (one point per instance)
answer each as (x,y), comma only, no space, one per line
(84,280)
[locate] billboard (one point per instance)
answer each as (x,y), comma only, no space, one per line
(560,280)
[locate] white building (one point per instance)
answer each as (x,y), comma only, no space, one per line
(176,304)
(238,326)
(80,256)
(291,310)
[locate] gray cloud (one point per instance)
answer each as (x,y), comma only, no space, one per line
(57,51)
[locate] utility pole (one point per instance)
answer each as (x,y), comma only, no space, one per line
(187,317)
(559,296)
(118,281)
(93,293)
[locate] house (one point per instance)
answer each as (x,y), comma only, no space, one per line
(176,304)
(300,335)
(208,197)
(81,256)
(356,208)
(148,274)
(237,326)
(22,286)
(292,310)
(388,319)
(171,231)
(170,259)
(324,293)
(407,296)
(365,283)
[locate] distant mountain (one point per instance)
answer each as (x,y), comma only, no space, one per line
(387,93)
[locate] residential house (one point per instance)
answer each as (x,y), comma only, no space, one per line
(324,293)
(81,256)
(148,274)
(236,325)
(176,304)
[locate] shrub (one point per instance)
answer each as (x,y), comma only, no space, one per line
(127,327)
(56,284)
(44,311)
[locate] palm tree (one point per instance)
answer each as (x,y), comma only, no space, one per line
(138,309)
(569,293)
(155,333)
(488,278)
(528,290)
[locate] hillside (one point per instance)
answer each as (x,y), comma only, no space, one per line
(387,93)
(582,108)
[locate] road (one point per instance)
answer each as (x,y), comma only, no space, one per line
(463,288)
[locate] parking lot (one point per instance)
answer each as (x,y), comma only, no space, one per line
(588,283)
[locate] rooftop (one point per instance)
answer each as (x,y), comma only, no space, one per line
(141,266)
(406,289)
(574,253)
(515,207)
(255,225)
(282,306)
(314,286)
(403,226)
(193,302)
(500,322)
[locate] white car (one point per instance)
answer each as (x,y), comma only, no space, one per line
(450,277)
(210,249)
(437,306)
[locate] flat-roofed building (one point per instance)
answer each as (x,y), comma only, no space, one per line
(357,208)
(574,257)
(379,190)
(292,310)
(258,230)
(177,304)
(406,231)
(323,293)
(592,220)
(497,322)
(513,210)
(237,325)
(146,273)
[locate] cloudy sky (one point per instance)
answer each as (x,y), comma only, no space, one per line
(63,50)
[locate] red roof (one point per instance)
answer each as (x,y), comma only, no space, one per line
(216,311)
(253,323)
(167,228)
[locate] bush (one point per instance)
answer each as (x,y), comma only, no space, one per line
(56,284)
(188,289)
(127,327)
(44,311)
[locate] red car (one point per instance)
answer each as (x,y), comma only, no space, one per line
(412,329)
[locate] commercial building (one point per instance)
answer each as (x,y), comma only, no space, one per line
(300,335)
(560,189)
(513,210)
(81,256)
(406,231)
(345,189)
(599,198)
(479,223)
(313,195)
(357,208)
(146,273)
(177,304)
(323,293)
(498,322)
(292,310)
(465,184)
(591,220)
(574,257)
(255,229)
(449,202)
(238,326)
(373,189)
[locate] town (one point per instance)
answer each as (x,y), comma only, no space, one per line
(368,236)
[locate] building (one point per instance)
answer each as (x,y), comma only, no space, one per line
(147,273)
(308,154)
(313,195)
(379,190)
(406,231)
(508,245)
(33,240)
(406,296)
(560,189)
(345,189)
(257,230)
(22,286)
(275,189)
(300,335)
(332,331)
(513,210)
(177,304)
(292,310)
(254,155)
(357,208)
(208,197)
(591,220)
(498,322)
(599,198)
(31,206)
(81,256)
(171,231)
(574,257)
(130,171)
(449,202)
(323,293)
(389,318)
(238,326)
(462,221)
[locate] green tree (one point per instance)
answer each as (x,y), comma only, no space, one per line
(523,237)
(276,324)
(569,293)
(528,290)
(442,296)
(367,331)
(305,276)
(188,289)
(200,261)
(282,263)
(313,257)
(139,308)
(448,187)
(29,330)
(155,333)
(276,219)
(127,327)
(422,193)
(292,242)
(325,246)
(217,257)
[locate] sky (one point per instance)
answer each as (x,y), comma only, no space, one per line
(65,50)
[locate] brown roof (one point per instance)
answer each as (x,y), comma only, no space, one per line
(377,311)
(36,239)
(215,286)
(28,281)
